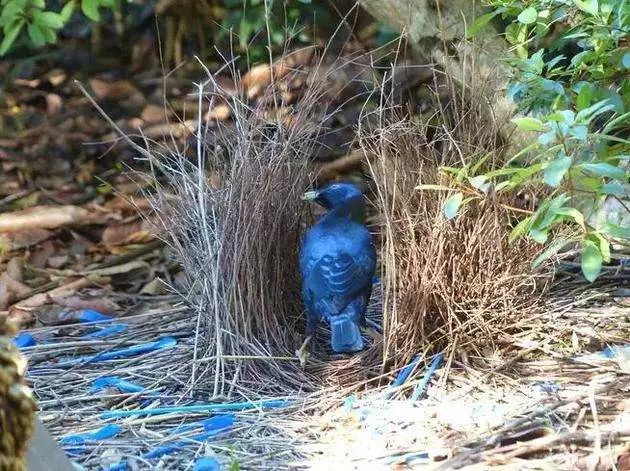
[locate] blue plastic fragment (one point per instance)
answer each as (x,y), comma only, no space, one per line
(207,463)
(165,342)
(348,404)
(422,385)
(106,331)
(24,339)
(404,373)
(228,406)
(83,315)
(104,433)
(115,382)
(218,424)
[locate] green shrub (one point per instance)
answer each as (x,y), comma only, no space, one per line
(571,85)
(40,25)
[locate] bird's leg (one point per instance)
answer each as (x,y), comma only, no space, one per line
(302,353)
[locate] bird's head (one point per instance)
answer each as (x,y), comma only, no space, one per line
(334,195)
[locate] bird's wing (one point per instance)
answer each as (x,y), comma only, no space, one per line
(337,280)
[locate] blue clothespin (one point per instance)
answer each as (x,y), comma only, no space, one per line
(207,463)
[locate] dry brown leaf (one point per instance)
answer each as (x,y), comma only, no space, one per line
(136,232)
(44,217)
(154,287)
(53,104)
(152,114)
(115,90)
(127,205)
(11,286)
(219,113)
(104,305)
(23,313)
(23,239)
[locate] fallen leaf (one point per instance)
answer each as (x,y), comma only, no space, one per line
(104,305)
(127,205)
(114,90)
(22,239)
(11,286)
(24,312)
(152,114)
(53,104)
(57,261)
(155,287)
(44,217)
(136,232)
(219,113)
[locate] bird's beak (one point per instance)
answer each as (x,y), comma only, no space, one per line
(310,195)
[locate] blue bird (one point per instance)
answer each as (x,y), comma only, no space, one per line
(337,262)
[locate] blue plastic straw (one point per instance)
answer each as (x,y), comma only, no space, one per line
(234,406)
(422,385)
(166,342)
(406,371)
(115,382)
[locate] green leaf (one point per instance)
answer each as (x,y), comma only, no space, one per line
(528,16)
(615,188)
(36,35)
(539,236)
(521,228)
(617,231)
(479,182)
(556,169)
(589,6)
(90,9)
(604,246)
(574,214)
(551,250)
(591,260)
(480,22)
(587,115)
(10,36)
(583,99)
(529,124)
(603,169)
(452,204)
(48,19)
(67,11)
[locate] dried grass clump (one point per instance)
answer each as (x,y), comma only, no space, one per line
(446,284)
(234,216)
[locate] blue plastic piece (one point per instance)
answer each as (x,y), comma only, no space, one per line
(83,315)
(207,463)
(422,385)
(404,373)
(227,406)
(115,382)
(104,433)
(348,404)
(165,342)
(24,340)
(106,331)
(218,423)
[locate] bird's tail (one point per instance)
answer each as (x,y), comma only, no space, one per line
(346,336)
